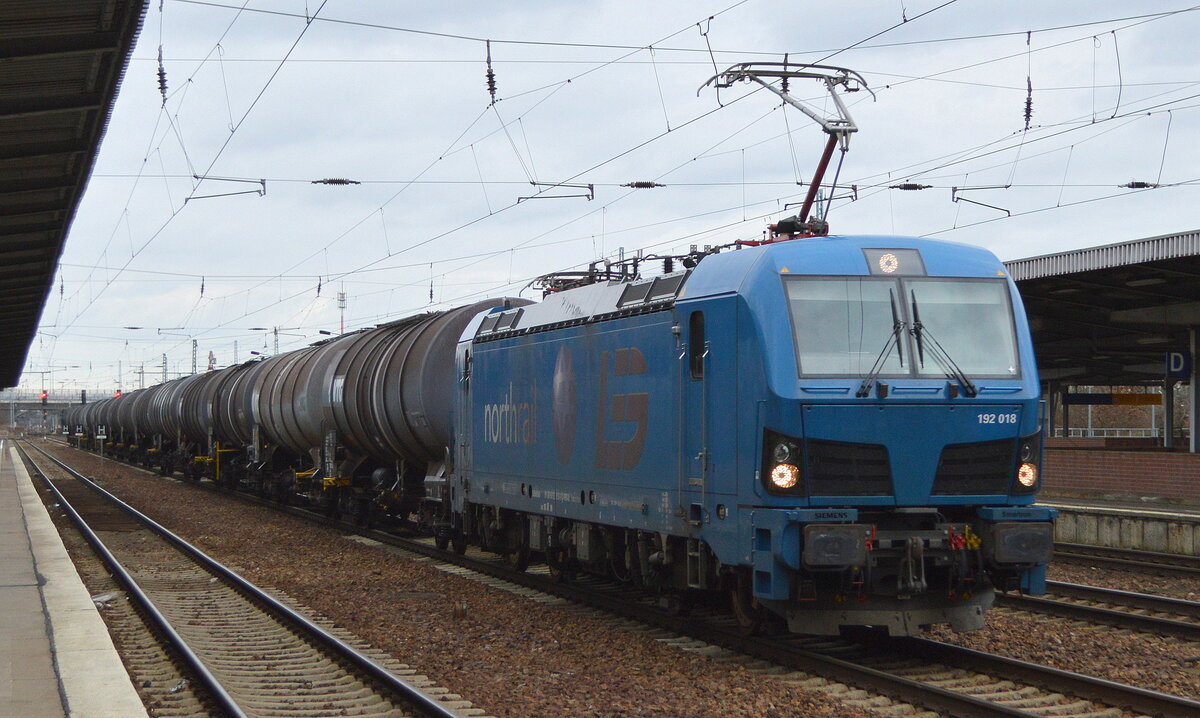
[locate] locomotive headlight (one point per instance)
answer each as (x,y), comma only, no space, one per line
(782,467)
(1028,471)
(785,476)
(1027,474)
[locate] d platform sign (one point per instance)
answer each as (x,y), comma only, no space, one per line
(1179,365)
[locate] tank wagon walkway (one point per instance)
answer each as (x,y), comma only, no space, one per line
(56,657)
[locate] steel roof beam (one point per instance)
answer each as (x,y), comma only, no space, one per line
(43,149)
(19,48)
(29,228)
(51,105)
(32,208)
(1186,314)
(38,184)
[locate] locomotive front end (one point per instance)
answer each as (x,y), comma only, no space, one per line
(898,437)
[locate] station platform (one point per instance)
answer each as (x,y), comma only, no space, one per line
(1126,524)
(1124,504)
(1124,494)
(56,657)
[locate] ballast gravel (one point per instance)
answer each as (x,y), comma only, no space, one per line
(509,656)
(1157,663)
(517,658)
(1168,665)
(1182,587)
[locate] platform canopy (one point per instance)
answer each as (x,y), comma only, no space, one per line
(1109,315)
(61,62)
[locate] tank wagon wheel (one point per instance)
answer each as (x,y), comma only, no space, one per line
(283,490)
(751,617)
(332,502)
(365,512)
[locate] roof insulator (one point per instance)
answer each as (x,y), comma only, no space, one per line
(336,180)
(910,186)
(491,75)
(1138,184)
(642,185)
(162,77)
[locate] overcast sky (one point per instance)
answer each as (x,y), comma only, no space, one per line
(393,95)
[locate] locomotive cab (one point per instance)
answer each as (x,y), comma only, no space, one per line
(838,431)
(888,432)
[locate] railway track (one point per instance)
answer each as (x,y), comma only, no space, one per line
(1123,609)
(250,654)
(1159,564)
(928,674)
(935,676)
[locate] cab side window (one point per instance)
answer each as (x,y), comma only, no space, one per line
(696,344)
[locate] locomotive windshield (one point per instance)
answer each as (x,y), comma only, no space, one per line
(842,325)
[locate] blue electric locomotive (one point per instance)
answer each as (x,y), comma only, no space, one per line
(836,431)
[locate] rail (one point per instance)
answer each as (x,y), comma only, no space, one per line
(1163,564)
(422,703)
(870,673)
(1060,602)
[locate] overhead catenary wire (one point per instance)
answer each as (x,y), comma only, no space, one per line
(456,229)
(175,212)
(153,134)
(862,45)
(571,178)
(730,183)
(389,249)
(503,208)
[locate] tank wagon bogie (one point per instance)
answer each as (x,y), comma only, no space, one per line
(833,432)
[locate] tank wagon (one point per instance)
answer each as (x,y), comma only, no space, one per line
(833,432)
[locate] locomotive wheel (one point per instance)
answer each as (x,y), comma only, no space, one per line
(751,617)
(561,569)
(517,555)
(677,605)
(459,543)
(441,541)
(518,558)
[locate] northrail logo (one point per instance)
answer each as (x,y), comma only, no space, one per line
(511,421)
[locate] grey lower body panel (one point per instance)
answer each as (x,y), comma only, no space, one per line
(900,617)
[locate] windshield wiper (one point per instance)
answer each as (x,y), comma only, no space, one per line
(939,353)
(894,339)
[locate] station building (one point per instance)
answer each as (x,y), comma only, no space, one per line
(1116,326)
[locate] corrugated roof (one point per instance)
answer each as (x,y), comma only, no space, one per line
(61,63)
(1108,315)
(1122,254)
